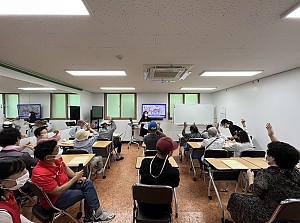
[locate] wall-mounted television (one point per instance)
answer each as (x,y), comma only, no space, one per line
(155,111)
(25,109)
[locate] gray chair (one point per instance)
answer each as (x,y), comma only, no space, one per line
(40,212)
(286,211)
(152,195)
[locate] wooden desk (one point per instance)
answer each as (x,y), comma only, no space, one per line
(73,160)
(219,165)
(139,160)
(115,134)
(68,143)
(260,162)
(194,145)
(104,149)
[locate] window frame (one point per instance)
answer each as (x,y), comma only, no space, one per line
(120,118)
(66,106)
(4,104)
(183,100)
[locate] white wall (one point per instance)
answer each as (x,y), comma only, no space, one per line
(273,99)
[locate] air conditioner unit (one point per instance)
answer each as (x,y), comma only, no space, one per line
(166,73)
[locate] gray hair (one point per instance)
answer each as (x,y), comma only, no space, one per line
(212,132)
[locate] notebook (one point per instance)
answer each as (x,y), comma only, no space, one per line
(233,164)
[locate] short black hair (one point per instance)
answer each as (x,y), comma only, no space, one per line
(208,126)
(38,131)
(10,166)
(44,149)
(225,121)
(9,136)
(194,129)
(285,155)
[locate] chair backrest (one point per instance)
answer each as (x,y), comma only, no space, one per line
(287,210)
(37,191)
(150,152)
(196,139)
(212,153)
(152,194)
(253,153)
(76,151)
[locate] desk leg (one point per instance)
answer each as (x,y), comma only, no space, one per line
(176,203)
(211,181)
(180,153)
(139,176)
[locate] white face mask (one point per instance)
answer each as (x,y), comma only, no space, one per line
(146,115)
(20,181)
(58,155)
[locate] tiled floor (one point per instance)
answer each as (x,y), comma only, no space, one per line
(115,192)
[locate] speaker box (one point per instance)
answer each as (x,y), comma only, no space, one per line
(74,113)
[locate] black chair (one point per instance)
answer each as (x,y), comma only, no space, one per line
(196,139)
(76,151)
(150,152)
(154,195)
(253,153)
(286,211)
(40,212)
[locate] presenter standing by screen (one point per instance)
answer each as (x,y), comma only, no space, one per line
(144,119)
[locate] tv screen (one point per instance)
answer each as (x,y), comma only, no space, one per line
(25,109)
(155,111)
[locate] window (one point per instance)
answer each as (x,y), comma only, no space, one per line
(11,102)
(174,98)
(120,106)
(60,105)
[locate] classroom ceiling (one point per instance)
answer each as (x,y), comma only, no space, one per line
(209,34)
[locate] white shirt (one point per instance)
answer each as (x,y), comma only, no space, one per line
(215,143)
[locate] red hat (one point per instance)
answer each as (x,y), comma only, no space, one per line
(165,145)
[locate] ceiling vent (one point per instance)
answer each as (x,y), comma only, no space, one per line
(166,73)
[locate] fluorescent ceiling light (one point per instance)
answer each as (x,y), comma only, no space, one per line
(37,88)
(117,88)
(197,88)
(185,75)
(229,73)
(97,73)
(42,7)
(293,13)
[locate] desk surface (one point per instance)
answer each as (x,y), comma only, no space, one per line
(260,162)
(196,145)
(218,164)
(139,160)
(97,144)
(76,159)
(116,134)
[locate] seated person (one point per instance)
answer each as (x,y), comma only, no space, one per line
(13,175)
(67,187)
(158,171)
(204,133)
(194,133)
(41,134)
(82,141)
(154,135)
(280,181)
(244,143)
(214,141)
(159,127)
(106,131)
(10,141)
(37,124)
(79,125)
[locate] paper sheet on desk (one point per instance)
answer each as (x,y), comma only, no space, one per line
(199,143)
(233,164)
(67,142)
(77,160)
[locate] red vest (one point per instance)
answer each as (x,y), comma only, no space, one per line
(11,206)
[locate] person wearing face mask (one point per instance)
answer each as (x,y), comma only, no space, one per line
(158,171)
(13,175)
(63,186)
(41,134)
(144,119)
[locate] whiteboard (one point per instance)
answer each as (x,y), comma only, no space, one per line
(201,114)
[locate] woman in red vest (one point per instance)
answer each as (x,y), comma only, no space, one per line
(13,175)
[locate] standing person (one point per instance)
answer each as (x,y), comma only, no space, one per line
(106,131)
(144,119)
(82,141)
(232,128)
(79,125)
(280,181)
(154,135)
(158,171)
(66,187)
(32,117)
(13,175)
